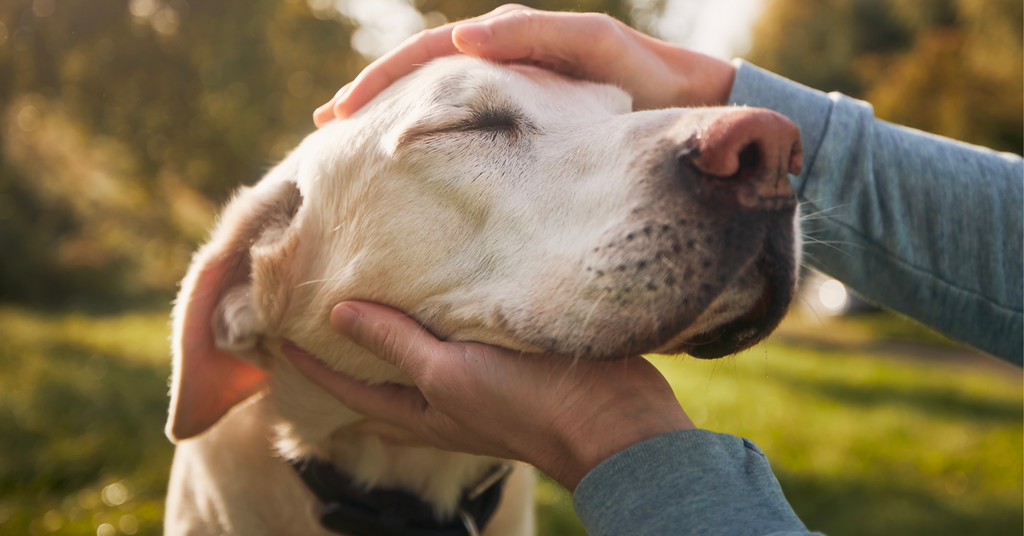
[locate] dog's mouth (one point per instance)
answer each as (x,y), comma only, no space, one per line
(731,319)
(775,266)
(746,330)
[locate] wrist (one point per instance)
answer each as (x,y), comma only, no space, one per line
(701,80)
(587,446)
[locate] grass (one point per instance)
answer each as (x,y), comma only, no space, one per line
(863,442)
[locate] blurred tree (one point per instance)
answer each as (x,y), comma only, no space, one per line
(951,67)
(123,123)
(123,119)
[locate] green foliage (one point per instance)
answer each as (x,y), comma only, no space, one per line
(125,123)
(81,405)
(862,443)
(951,67)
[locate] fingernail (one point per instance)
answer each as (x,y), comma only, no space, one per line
(475,33)
(344,318)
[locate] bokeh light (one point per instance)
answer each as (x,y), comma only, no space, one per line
(833,296)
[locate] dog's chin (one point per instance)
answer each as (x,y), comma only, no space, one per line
(734,333)
(775,269)
(739,333)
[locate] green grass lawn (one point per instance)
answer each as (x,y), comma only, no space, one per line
(862,442)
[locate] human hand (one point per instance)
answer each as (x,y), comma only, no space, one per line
(563,416)
(590,46)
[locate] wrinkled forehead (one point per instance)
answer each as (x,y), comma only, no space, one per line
(460,81)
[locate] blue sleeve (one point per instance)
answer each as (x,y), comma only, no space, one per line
(685,482)
(923,225)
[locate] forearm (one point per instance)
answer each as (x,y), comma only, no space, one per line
(926,226)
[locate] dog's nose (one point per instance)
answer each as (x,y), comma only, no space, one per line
(745,154)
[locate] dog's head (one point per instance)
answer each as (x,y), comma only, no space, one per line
(506,205)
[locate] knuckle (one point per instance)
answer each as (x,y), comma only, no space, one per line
(428,376)
(422,36)
(523,22)
(385,337)
(606,34)
(512,7)
(603,26)
(534,20)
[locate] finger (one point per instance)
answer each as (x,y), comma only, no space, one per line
(395,404)
(325,113)
(406,58)
(389,334)
(383,72)
(557,39)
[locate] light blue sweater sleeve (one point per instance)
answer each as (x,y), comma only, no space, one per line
(923,225)
(686,482)
(926,226)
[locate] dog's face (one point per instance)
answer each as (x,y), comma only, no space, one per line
(506,205)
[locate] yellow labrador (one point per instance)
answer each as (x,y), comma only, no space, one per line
(502,204)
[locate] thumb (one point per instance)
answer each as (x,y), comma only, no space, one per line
(395,404)
(390,335)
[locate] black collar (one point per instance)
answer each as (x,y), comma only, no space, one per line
(354,511)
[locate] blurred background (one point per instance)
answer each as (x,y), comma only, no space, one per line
(125,124)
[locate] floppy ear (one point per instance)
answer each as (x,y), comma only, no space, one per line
(216,325)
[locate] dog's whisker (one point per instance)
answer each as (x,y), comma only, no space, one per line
(714,369)
(801,297)
(831,245)
(812,202)
(812,232)
(312,281)
(805,217)
(593,308)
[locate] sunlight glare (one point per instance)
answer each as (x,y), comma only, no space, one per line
(833,296)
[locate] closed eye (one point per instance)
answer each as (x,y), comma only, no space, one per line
(505,123)
(497,120)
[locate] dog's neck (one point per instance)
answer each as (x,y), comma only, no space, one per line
(378,456)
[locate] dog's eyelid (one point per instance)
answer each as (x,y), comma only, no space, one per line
(489,120)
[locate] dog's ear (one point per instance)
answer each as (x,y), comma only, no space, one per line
(216,325)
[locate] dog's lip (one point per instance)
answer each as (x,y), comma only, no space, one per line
(734,335)
(744,331)
(752,316)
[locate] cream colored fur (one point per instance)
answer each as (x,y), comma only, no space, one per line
(483,200)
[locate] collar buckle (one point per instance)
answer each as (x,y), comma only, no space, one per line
(498,474)
(469,523)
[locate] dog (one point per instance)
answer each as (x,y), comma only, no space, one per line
(497,203)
